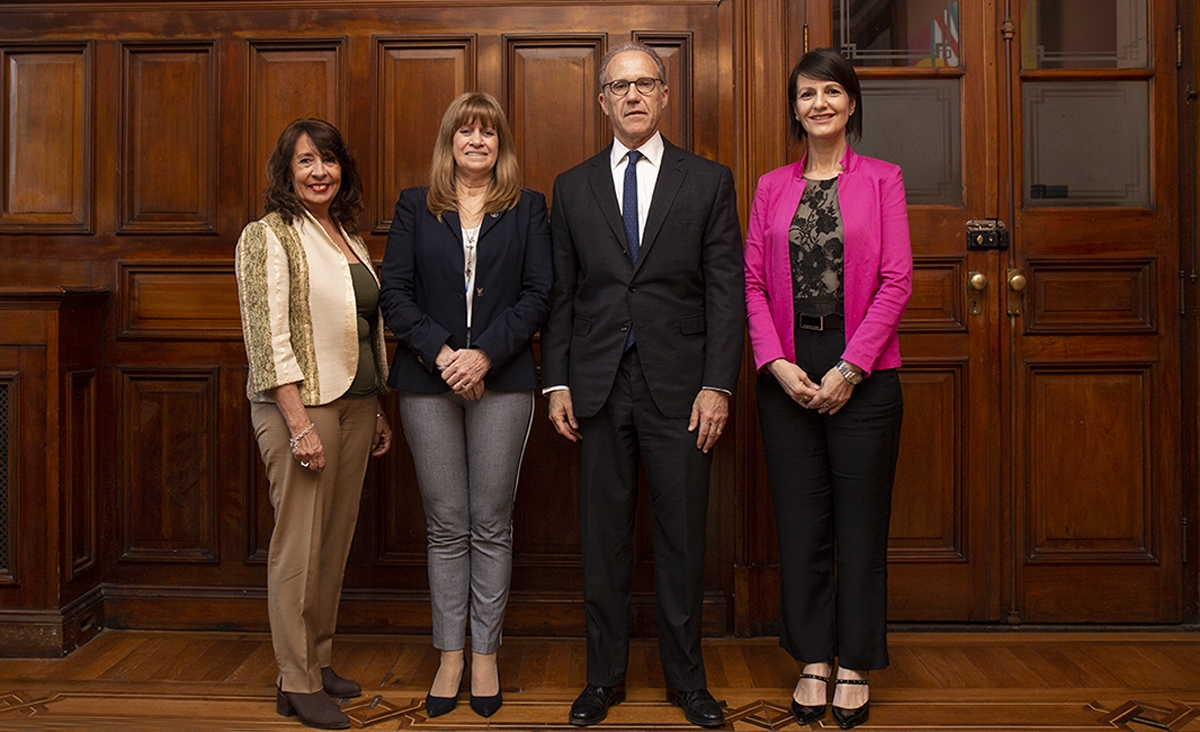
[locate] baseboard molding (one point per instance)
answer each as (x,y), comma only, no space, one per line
(172,607)
(51,633)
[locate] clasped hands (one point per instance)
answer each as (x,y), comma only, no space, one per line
(463,370)
(827,397)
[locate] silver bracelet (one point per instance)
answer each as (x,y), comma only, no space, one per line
(294,440)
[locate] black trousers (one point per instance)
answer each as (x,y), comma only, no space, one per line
(831,482)
(627,429)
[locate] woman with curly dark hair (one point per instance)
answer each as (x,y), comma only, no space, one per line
(314,337)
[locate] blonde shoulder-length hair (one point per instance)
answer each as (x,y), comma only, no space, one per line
(505,188)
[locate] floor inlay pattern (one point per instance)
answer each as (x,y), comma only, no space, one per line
(130,681)
(547,710)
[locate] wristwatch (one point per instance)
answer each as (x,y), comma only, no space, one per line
(848,373)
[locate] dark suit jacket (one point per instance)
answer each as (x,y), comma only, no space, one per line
(424,300)
(685,299)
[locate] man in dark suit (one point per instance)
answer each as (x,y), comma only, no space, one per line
(639,359)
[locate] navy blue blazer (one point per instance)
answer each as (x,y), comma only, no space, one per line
(424,300)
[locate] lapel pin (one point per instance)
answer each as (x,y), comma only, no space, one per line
(495,214)
(478,292)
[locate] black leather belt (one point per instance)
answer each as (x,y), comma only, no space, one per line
(819,322)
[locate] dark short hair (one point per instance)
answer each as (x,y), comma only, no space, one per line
(282,198)
(825,64)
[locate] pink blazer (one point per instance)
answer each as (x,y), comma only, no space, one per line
(878,262)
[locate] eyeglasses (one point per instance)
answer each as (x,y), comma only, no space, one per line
(620,87)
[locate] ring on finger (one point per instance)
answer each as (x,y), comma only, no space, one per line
(304,464)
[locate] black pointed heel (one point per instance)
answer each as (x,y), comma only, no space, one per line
(486,706)
(436,706)
(848,718)
(803,713)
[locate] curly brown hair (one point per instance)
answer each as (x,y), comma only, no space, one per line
(281,196)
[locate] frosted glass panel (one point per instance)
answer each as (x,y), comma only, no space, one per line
(1081,34)
(897,32)
(1087,143)
(918,126)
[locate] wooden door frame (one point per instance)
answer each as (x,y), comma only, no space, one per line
(1188,20)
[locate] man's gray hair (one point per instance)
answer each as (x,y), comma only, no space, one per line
(632,46)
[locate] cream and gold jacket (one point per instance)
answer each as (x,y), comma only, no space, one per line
(299,317)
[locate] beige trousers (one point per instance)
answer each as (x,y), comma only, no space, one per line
(315,514)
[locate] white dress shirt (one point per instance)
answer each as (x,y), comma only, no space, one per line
(647,175)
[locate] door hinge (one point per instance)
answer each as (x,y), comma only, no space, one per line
(1182,293)
(1178,46)
(1185,540)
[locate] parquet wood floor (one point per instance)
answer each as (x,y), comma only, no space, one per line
(948,682)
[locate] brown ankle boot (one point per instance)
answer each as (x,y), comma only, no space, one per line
(337,687)
(314,710)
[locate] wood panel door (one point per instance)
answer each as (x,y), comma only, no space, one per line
(1093,307)
(1040,469)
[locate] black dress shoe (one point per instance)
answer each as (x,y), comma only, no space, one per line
(314,710)
(337,687)
(591,706)
(698,706)
(847,718)
(486,706)
(436,706)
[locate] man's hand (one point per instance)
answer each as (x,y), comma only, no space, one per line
(709,413)
(562,415)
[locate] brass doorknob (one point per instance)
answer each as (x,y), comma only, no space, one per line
(977,281)
(1017,281)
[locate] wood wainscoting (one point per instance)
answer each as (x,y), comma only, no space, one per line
(1048,460)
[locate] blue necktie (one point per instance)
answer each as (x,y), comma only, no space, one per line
(629,207)
(629,215)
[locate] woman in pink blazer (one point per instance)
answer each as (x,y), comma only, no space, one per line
(828,275)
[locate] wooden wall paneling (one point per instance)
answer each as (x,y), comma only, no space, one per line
(416,76)
(290,79)
(762,29)
(675,49)
(170,443)
(46,170)
(179,300)
(260,514)
(400,524)
(41,604)
(190,521)
(170,120)
(80,550)
(10,465)
(552,86)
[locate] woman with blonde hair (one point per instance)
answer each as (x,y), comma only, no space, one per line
(466,284)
